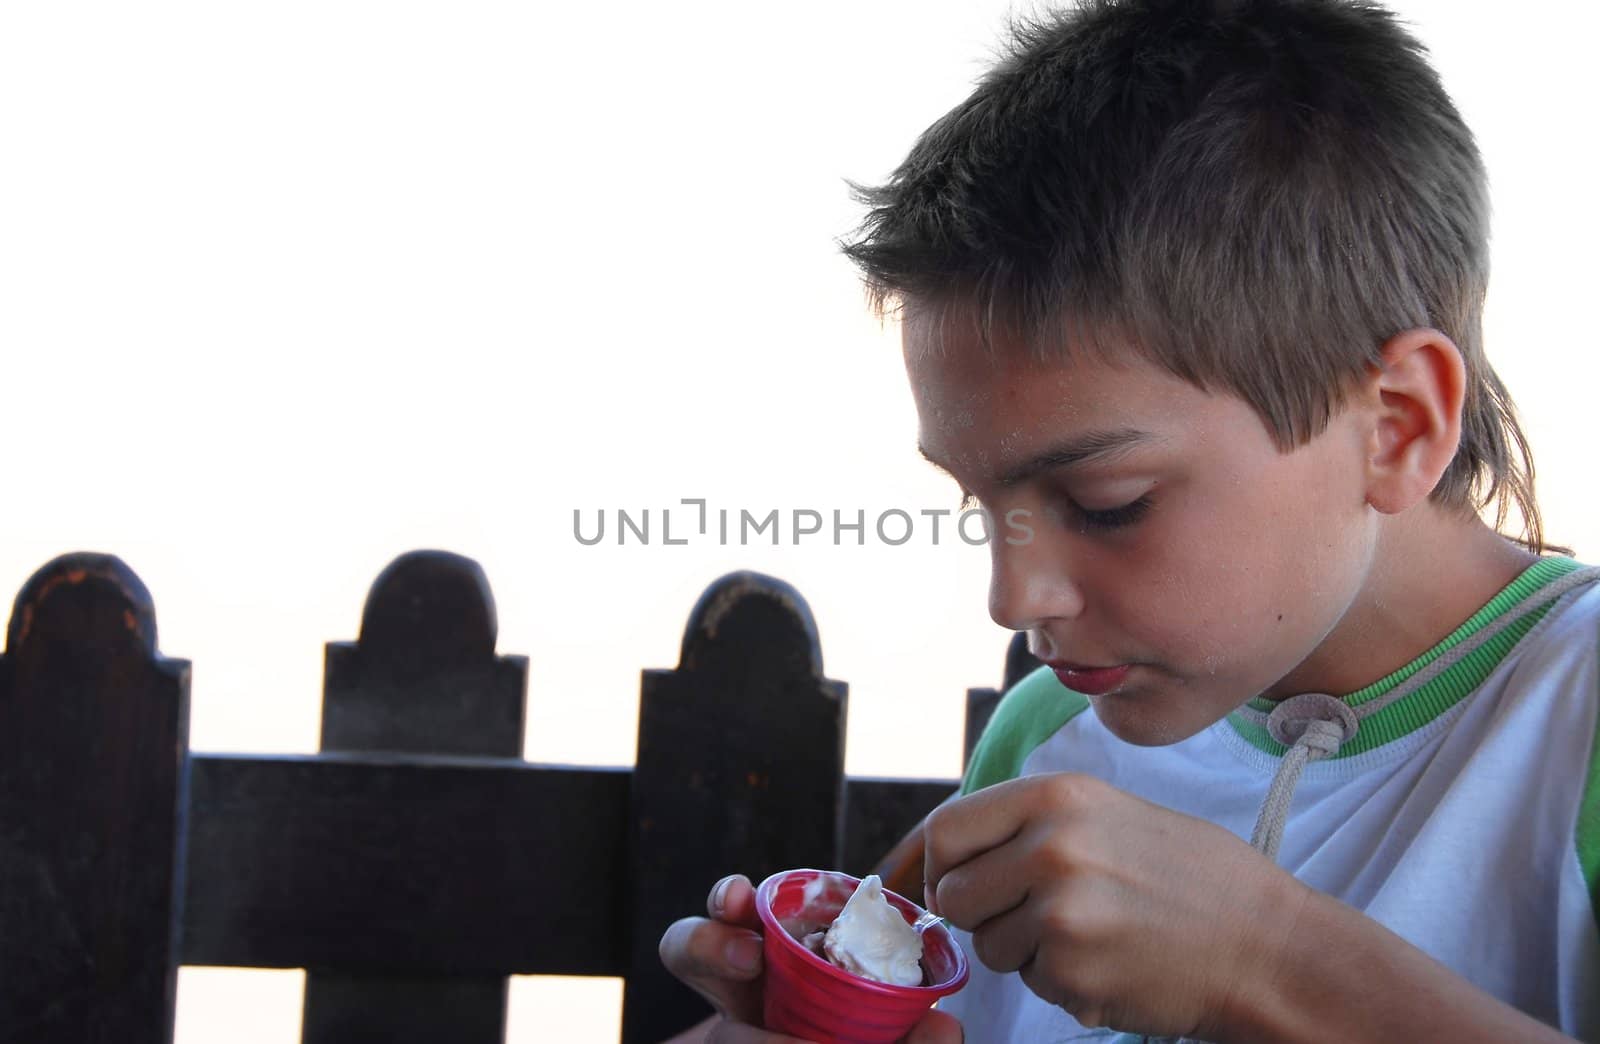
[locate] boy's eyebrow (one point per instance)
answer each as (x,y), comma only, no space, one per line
(1093,445)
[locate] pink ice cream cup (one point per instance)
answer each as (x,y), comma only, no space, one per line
(808,997)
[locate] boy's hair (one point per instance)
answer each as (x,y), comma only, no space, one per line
(1256,194)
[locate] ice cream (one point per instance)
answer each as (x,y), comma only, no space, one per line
(869,938)
(805,994)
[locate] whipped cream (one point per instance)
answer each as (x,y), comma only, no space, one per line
(869,938)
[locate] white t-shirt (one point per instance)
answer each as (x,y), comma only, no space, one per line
(1465,816)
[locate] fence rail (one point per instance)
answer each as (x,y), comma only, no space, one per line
(417,861)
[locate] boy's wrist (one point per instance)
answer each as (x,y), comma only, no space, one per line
(1333,974)
(1258,999)
(1336,974)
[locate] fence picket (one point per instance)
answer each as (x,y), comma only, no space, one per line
(418,860)
(93,737)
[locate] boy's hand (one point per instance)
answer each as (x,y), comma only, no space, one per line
(1122,912)
(720,959)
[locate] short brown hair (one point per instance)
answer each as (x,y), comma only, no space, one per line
(1255,193)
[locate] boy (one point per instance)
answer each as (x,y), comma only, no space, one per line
(1191,291)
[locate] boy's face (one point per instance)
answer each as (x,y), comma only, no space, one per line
(1177,558)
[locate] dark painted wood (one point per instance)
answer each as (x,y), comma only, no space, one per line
(93,734)
(981,702)
(361,1009)
(1019,661)
(980,708)
(418,861)
(423,677)
(382,864)
(740,769)
(879,813)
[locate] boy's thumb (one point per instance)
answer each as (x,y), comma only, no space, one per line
(936,1028)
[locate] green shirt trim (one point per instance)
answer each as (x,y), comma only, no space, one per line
(1029,713)
(1587,835)
(1411,713)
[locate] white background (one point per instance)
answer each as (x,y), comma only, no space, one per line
(288,289)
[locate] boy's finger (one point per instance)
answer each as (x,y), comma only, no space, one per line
(987,885)
(726,1032)
(955,832)
(937,1027)
(721,962)
(695,947)
(960,830)
(733,900)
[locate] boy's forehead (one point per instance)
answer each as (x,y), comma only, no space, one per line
(947,344)
(989,414)
(958,380)
(996,409)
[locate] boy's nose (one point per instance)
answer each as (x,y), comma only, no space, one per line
(1030,585)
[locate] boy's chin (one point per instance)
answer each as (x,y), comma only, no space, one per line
(1145,723)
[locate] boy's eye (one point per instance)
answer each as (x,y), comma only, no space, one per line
(1113,518)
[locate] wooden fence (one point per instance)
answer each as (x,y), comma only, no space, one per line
(418,860)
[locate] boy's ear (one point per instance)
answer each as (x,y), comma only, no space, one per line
(1415,398)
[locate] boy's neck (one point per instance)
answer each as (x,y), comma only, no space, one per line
(1433,569)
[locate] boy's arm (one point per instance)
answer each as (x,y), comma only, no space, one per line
(1342,976)
(1130,915)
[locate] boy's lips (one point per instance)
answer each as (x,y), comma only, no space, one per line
(1091,681)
